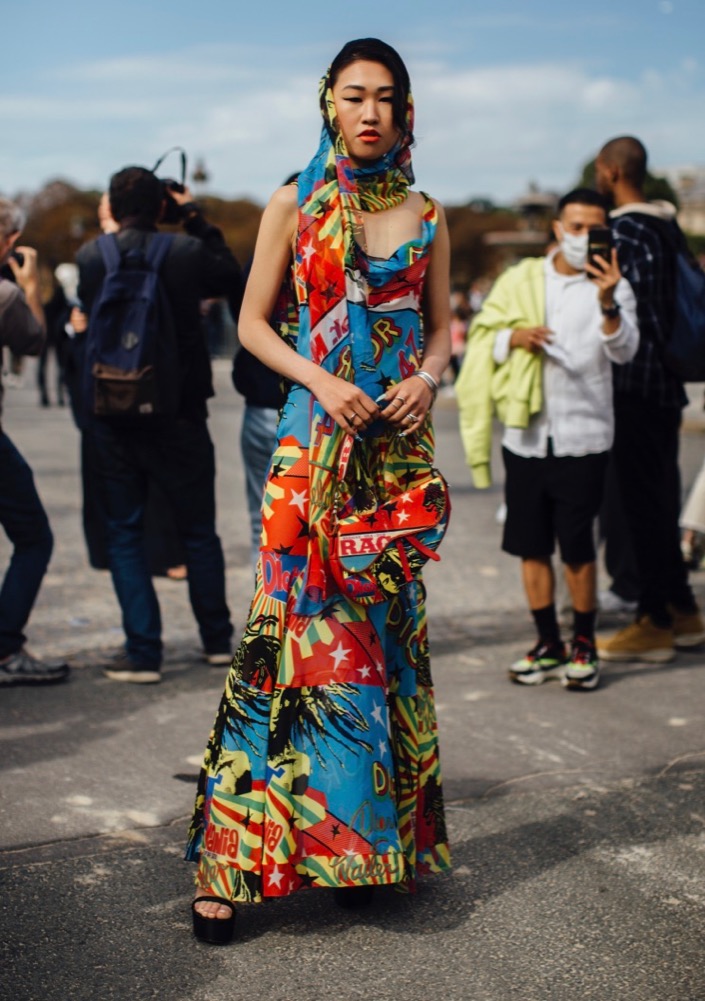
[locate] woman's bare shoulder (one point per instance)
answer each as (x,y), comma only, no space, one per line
(284,201)
(421,200)
(281,211)
(286,195)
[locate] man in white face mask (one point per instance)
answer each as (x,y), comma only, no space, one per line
(540,353)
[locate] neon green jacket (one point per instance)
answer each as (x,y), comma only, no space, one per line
(513,390)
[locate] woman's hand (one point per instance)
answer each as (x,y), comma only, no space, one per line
(407,404)
(349,406)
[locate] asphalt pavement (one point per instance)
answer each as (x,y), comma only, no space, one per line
(577,820)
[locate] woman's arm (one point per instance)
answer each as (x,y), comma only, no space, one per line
(349,406)
(271,260)
(418,397)
(436,302)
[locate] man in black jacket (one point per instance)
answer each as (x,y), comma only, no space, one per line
(177,452)
(22,515)
(648,399)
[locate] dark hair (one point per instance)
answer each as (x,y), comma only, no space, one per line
(583,196)
(629,154)
(376,51)
(136,192)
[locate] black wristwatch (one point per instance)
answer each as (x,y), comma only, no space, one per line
(611,312)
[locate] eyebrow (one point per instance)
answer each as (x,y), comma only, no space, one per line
(359,86)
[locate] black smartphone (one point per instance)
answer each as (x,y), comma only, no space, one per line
(599,244)
(19,256)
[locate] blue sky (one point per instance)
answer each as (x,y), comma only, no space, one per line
(506,91)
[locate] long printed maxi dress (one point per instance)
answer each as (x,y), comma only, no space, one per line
(322,767)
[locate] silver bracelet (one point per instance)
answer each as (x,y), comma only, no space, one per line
(429,380)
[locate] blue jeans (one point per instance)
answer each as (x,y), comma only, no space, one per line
(27,527)
(180,458)
(257,440)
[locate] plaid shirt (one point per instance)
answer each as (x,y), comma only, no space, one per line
(647,263)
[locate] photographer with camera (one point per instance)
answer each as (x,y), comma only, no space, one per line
(165,437)
(22,515)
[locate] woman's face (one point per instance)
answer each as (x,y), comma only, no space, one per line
(363,96)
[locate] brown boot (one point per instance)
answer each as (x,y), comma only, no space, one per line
(642,640)
(688,628)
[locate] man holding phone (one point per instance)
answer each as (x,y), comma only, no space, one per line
(558,322)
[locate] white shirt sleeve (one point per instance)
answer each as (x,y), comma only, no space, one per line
(621,346)
(501,349)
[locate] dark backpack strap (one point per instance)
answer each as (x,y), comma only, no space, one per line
(110,249)
(674,237)
(157,250)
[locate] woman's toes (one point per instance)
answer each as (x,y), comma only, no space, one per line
(214,910)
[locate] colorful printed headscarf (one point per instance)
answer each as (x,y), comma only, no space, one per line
(331,288)
(331,196)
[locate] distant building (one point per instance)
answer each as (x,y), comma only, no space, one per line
(535,209)
(689,185)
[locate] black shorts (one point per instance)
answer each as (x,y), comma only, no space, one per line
(552,498)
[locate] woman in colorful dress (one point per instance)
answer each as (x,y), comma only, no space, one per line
(322,768)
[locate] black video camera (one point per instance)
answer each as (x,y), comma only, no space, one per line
(173,212)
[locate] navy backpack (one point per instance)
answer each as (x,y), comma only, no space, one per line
(684,353)
(132,353)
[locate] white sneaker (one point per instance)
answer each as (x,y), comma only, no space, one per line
(221,659)
(609,601)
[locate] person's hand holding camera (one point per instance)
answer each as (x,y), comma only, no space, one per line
(23,262)
(179,203)
(180,194)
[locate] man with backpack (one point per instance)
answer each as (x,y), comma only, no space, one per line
(648,399)
(147,379)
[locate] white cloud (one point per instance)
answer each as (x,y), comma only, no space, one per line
(254,119)
(38,110)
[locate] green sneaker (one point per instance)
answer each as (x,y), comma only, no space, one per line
(582,672)
(542,662)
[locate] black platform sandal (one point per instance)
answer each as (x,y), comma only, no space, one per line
(214,931)
(353,896)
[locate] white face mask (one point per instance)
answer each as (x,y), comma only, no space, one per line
(574,248)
